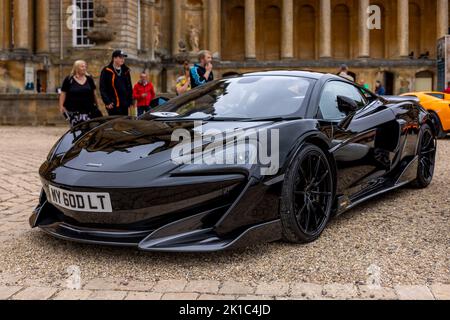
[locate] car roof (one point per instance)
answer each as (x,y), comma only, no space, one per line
(294,73)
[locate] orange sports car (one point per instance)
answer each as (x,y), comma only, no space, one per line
(438,104)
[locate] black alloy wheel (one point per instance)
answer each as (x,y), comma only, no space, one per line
(427,158)
(308,196)
(440,133)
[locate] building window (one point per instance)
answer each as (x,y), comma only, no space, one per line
(84,15)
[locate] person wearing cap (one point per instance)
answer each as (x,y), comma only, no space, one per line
(116,87)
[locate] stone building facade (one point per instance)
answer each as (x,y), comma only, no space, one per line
(39,39)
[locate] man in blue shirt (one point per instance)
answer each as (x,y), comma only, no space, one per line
(201,72)
(379,89)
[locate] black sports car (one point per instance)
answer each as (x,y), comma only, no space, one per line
(322,146)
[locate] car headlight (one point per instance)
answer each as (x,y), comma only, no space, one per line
(52,152)
(239,154)
(61,147)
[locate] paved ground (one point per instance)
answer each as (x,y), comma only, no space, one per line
(400,242)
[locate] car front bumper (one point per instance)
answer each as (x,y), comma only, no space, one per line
(227,217)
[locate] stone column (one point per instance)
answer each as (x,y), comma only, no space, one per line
(22,25)
(42,26)
(325,29)
(250,29)
(442,18)
(403,28)
(8,24)
(364,32)
(2,24)
(214,25)
(287,32)
(176,25)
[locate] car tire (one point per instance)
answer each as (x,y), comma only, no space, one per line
(427,158)
(440,133)
(307,196)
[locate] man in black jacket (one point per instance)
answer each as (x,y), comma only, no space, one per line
(116,87)
(202,72)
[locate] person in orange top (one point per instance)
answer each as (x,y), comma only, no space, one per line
(143,93)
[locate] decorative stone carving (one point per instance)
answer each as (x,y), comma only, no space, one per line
(157,36)
(182,54)
(182,47)
(3,79)
(194,39)
(160,52)
(101,33)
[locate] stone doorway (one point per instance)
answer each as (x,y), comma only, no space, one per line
(424,81)
(41,81)
(389,81)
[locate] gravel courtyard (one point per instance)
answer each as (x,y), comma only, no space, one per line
(406,234)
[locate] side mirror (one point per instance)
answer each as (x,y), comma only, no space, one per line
(349,107)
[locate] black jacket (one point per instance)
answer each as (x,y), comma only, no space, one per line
(198,76)
(116,89)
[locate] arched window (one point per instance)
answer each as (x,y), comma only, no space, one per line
(268,30)
(415,28)
(233,26)
(378,37)
(424,81)
(305,32)
(429,30)
(341,31)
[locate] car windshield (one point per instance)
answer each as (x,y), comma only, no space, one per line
(437,95)
(248,97)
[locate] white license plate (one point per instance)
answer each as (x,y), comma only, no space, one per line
(80,201)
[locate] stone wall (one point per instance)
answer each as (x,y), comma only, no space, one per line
(30,109)
(224,27)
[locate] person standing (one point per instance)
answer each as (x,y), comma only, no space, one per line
(343,72)
(77,100)
(184,82)
(202,72)
(143,93)
(447,90)
(115,85)
(363,84)
(379,89)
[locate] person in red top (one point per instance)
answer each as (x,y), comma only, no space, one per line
(143,93)
(447,91)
